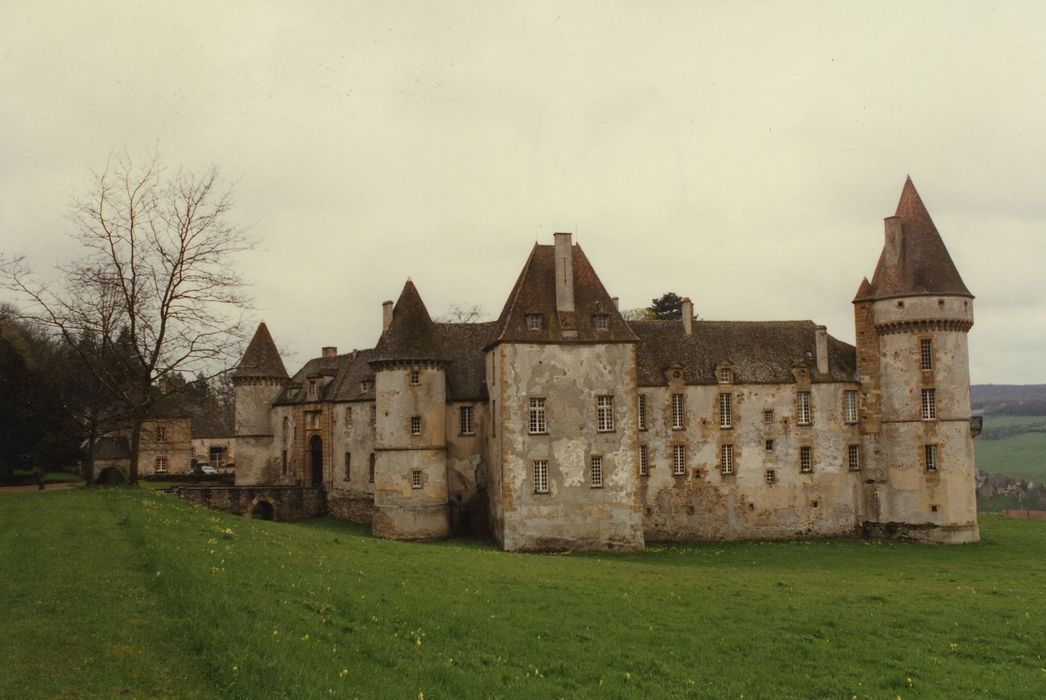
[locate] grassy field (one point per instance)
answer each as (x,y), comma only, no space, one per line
(1022,455)
(133,593)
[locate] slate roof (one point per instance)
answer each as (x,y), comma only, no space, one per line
(924,267)
(760,352)
(535,293)
(411,335)
(261,359)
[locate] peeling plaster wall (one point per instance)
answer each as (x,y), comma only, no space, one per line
(467,470)
(402,511)
(573,515)
(904,497)
(705,504)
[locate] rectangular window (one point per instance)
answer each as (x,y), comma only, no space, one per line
(644,460)
(415,377)
(161,433)
(605,414)
(678,410)
(364,386)
(541,476)
(769,445)
(415,478)
(602,322)
(926,354)
(768,415)
(849,406)
(929,404)
(642,411)
(370,469)
(348,417)
(348,466)
(493,419)
(217,457)
(679,459)
(853,457)
(803,405)
(283,461)
(726,459)
(537,417)
(161,465)
(415,425)
(467,425)
(596,472)
(726,413)
(806,460)
(312,419)
(533,322)
(771,476)
(724,375)
(373,415)
(931,458)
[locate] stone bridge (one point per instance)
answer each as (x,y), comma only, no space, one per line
(267,502)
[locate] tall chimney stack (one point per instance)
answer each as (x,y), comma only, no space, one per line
(688,316)
(821,337)
(386,315)
(616,302)
(892,248)
(330,351)
(564,274)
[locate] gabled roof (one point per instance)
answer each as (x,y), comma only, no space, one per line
(535,293)
(261,359)
(923,266)
(760,352)
(411,335)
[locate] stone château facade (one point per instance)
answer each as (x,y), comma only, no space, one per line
(563,426)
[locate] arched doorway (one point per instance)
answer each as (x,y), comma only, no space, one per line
(316,460)
(262,510)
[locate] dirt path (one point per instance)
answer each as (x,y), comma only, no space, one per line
(34,487)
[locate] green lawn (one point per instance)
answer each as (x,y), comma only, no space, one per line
(133,593)
(1022,455)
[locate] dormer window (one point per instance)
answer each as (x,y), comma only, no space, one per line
(724,375)
(314,388)
(533,322)
(602,322)
(364,386)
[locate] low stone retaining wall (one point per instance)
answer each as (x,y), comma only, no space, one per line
(355,509)
(1033,514)
(269,502)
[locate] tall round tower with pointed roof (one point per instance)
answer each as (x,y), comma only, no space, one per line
(256,381)
(410,389)
(912,321)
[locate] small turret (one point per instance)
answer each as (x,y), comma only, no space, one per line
(912,321)
(257,380)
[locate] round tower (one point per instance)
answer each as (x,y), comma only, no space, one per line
(410,389)
(912,325)
(257,380)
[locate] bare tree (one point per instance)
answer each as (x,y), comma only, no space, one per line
(463,313)
(155,293)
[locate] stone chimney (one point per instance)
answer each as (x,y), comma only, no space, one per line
(330,351)
(616,301)
(688,315)
(821,337)
(564,274)
(892,248)
(386,315)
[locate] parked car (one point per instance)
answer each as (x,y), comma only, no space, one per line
(207,469)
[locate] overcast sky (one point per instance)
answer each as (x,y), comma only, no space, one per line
(743,154)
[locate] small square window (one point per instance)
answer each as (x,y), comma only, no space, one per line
(768,415)
(534,322)
(364,386)
(602,322)
(806,461)
(161,465)
(415,425)
(596,465)
(725,375)
(771,476)
(415,377)
(769,445)
(415,479)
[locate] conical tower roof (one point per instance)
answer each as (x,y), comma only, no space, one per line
(922,265)
(261,359)
(411,335)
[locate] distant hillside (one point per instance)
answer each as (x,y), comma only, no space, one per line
(1009,399)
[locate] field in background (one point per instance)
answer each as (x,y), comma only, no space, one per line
(133,593)
(1020,449)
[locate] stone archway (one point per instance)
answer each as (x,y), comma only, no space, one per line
(316,461)
(263,510)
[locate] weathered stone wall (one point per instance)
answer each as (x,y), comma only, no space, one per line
(903,497)
(354,507)
(467,471)
(174,444)
(254,430)
(201,449)
(403,511)
(350,476)
(705,504)
(288,503)
(573,514)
